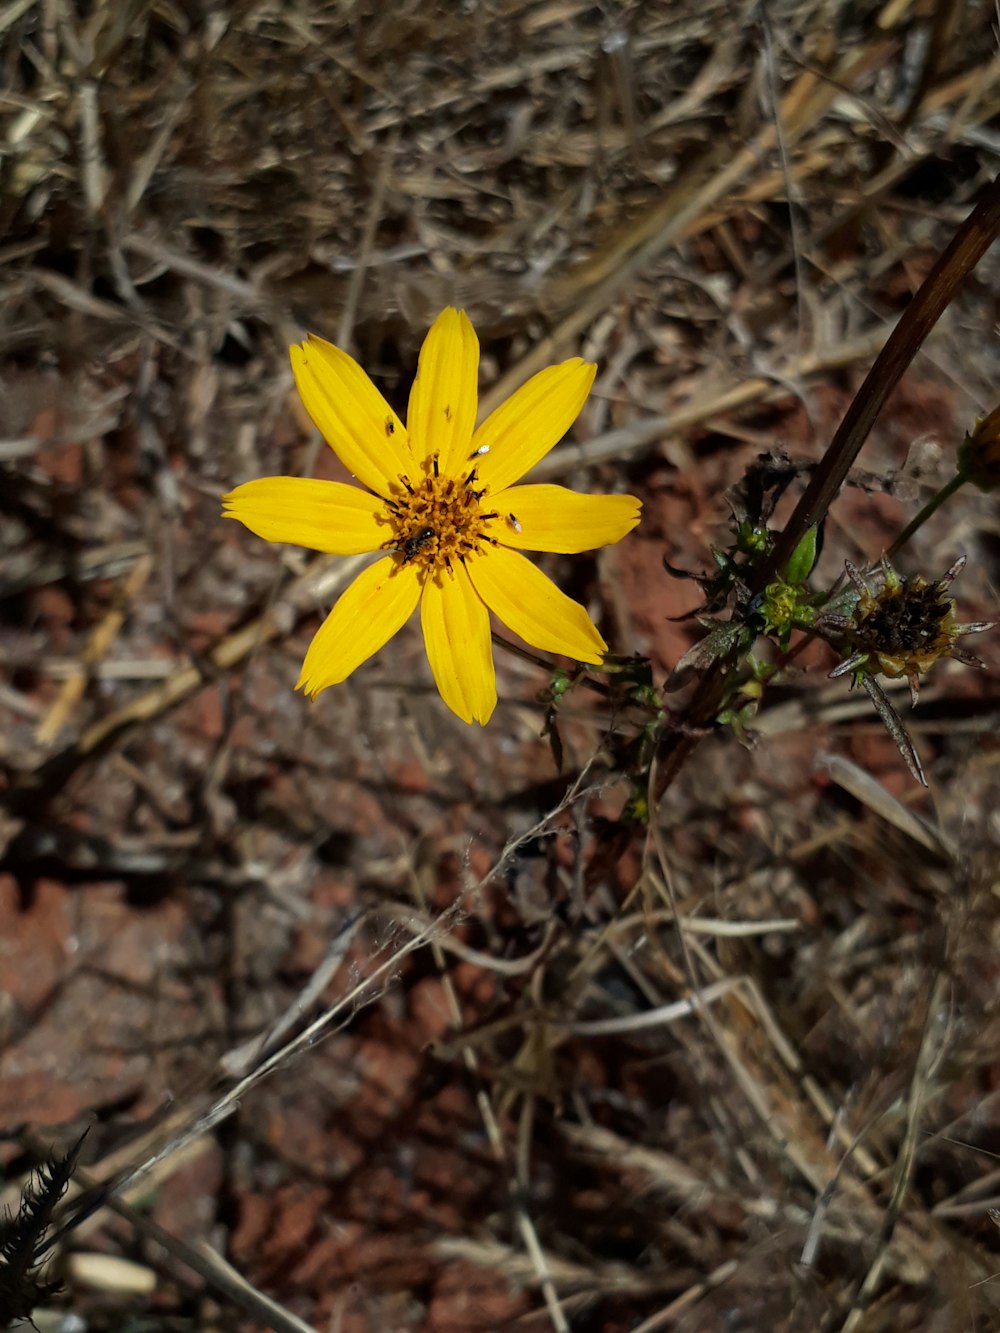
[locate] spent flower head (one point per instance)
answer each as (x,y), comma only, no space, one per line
(442,505)
(899,627)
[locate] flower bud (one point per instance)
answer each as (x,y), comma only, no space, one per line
(979,453)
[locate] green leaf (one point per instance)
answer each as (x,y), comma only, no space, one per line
(723,640)
(802,559)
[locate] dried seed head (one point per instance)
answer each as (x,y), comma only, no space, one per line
(901,627)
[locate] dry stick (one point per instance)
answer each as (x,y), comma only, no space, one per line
(505,967)
(239,1062)
(973,238)
(98,645)
(607,1277)
(681,1304)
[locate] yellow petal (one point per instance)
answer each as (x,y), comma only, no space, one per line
(529,602)
(552,518)
(443,400)
(350,413)
(367,615)
(456,628)
(321,515)
(524,428)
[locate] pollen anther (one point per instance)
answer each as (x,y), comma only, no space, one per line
(436,519)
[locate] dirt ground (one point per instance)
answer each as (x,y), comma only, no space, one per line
(375,1021)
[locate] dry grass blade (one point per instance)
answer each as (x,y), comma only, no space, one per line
(862,785)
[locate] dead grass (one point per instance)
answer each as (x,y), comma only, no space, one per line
(376,1022)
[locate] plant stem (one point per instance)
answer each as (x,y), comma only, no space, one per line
(970,242)
(931,507)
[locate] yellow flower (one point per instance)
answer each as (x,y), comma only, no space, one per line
(441,503)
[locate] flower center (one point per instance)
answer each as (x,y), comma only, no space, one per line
(436,520)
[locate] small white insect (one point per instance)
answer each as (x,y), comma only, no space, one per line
(512,519)
(483,449)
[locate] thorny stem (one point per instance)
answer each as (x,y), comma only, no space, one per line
(931,507)
(973,238)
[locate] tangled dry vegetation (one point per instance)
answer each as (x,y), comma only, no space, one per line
(374,1021)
